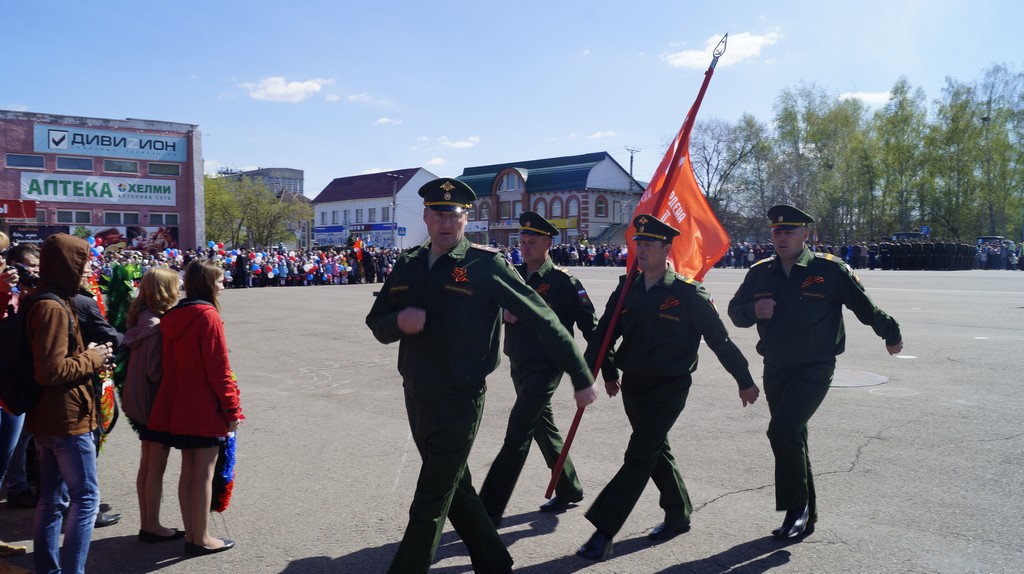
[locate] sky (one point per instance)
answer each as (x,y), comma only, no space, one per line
(345,88)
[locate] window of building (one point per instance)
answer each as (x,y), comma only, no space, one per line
(485,211)
(120,166)
(120,217)
(323,218)
(541,207)
(371,215)
(345,217)
(601,207)
(385,214)
(73,216)
(517,209)
(334,217)
(30,161)
(75,163)
(164,169)
(572,207)
(359,216)
(505,210)
(163,218)
(41,216)
(556,208)
(510,182)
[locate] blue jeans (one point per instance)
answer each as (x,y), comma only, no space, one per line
(71,460)
(10,430)
(17,475)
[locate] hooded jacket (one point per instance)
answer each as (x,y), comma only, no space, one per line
(65,406)
(198,395)
(142,380)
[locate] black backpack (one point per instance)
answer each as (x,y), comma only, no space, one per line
(19,390)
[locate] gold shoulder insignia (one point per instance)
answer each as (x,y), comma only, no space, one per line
(760,261)
(487,248)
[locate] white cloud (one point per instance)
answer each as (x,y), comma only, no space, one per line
(386,121)
(868,98)
(599,135)
(360,97)
(739,47)
(468,142)
(211,166)
(16,107)
(585,52)
(372,170)
(423,139)
(332,97)
(277,89)
(437,161)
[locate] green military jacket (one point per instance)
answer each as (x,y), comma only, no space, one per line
(565,295)
(463,293)
(807,326)
(661,330)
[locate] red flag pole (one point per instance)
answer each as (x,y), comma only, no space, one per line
(681,145)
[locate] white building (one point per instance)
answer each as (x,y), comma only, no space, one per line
(383,209)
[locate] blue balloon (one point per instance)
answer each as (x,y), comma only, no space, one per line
(92,241)
(309,277)
(255,266)
(210,243)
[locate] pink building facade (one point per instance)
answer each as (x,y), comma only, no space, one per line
(135,184)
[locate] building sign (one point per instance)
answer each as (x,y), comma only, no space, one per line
(569,223)
(329,229)
(364,227)
(56,187)
(109,143)
(476,227)
(17,209)
(34,233)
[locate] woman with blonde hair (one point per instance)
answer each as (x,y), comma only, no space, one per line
(198,403)
(158,292)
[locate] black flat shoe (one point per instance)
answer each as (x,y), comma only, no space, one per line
(559,502)
(107,520)
(598,548)
(197,550)
(669,529)
(794,525)
(150,538)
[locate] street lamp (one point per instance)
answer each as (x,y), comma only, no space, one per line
(394,208)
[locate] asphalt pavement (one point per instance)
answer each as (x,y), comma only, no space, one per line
(919,469)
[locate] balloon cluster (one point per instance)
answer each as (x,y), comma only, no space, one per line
(95,246)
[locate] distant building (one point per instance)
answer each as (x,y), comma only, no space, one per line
(382,209)
(286,184)
(128,183)
(587,197)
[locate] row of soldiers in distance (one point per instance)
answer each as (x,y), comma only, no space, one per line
(905,255)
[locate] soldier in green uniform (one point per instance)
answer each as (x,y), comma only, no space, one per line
(796,300)
(442,301)
(535,374)
(661,324)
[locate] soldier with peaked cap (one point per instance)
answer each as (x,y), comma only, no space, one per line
(796,299)
(661,324)
(442,303)
(536,375)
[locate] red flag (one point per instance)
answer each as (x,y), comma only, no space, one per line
(674,197)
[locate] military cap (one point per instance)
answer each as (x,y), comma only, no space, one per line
(447,194)
(788,217)
(531,223)
(650,228)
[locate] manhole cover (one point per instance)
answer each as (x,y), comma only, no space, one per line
(844,378)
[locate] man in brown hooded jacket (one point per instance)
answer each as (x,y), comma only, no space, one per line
(63,419)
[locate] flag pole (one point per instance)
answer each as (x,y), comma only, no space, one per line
(678,153)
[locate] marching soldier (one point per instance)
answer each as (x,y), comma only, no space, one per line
(536,375)
(796,300)
(442,302)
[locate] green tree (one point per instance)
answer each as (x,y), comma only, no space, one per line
(248,213)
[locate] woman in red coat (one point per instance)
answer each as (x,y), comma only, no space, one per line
(197,404)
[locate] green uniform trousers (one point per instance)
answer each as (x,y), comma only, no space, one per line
(794,394)
(651,414)
(530,420)
(444,429)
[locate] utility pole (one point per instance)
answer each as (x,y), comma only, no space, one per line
(394,208)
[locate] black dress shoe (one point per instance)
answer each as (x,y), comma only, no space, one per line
(794,525)
(669,529)
(107,519)
(197,550)
(150,538)
(559,502)
(599,547)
